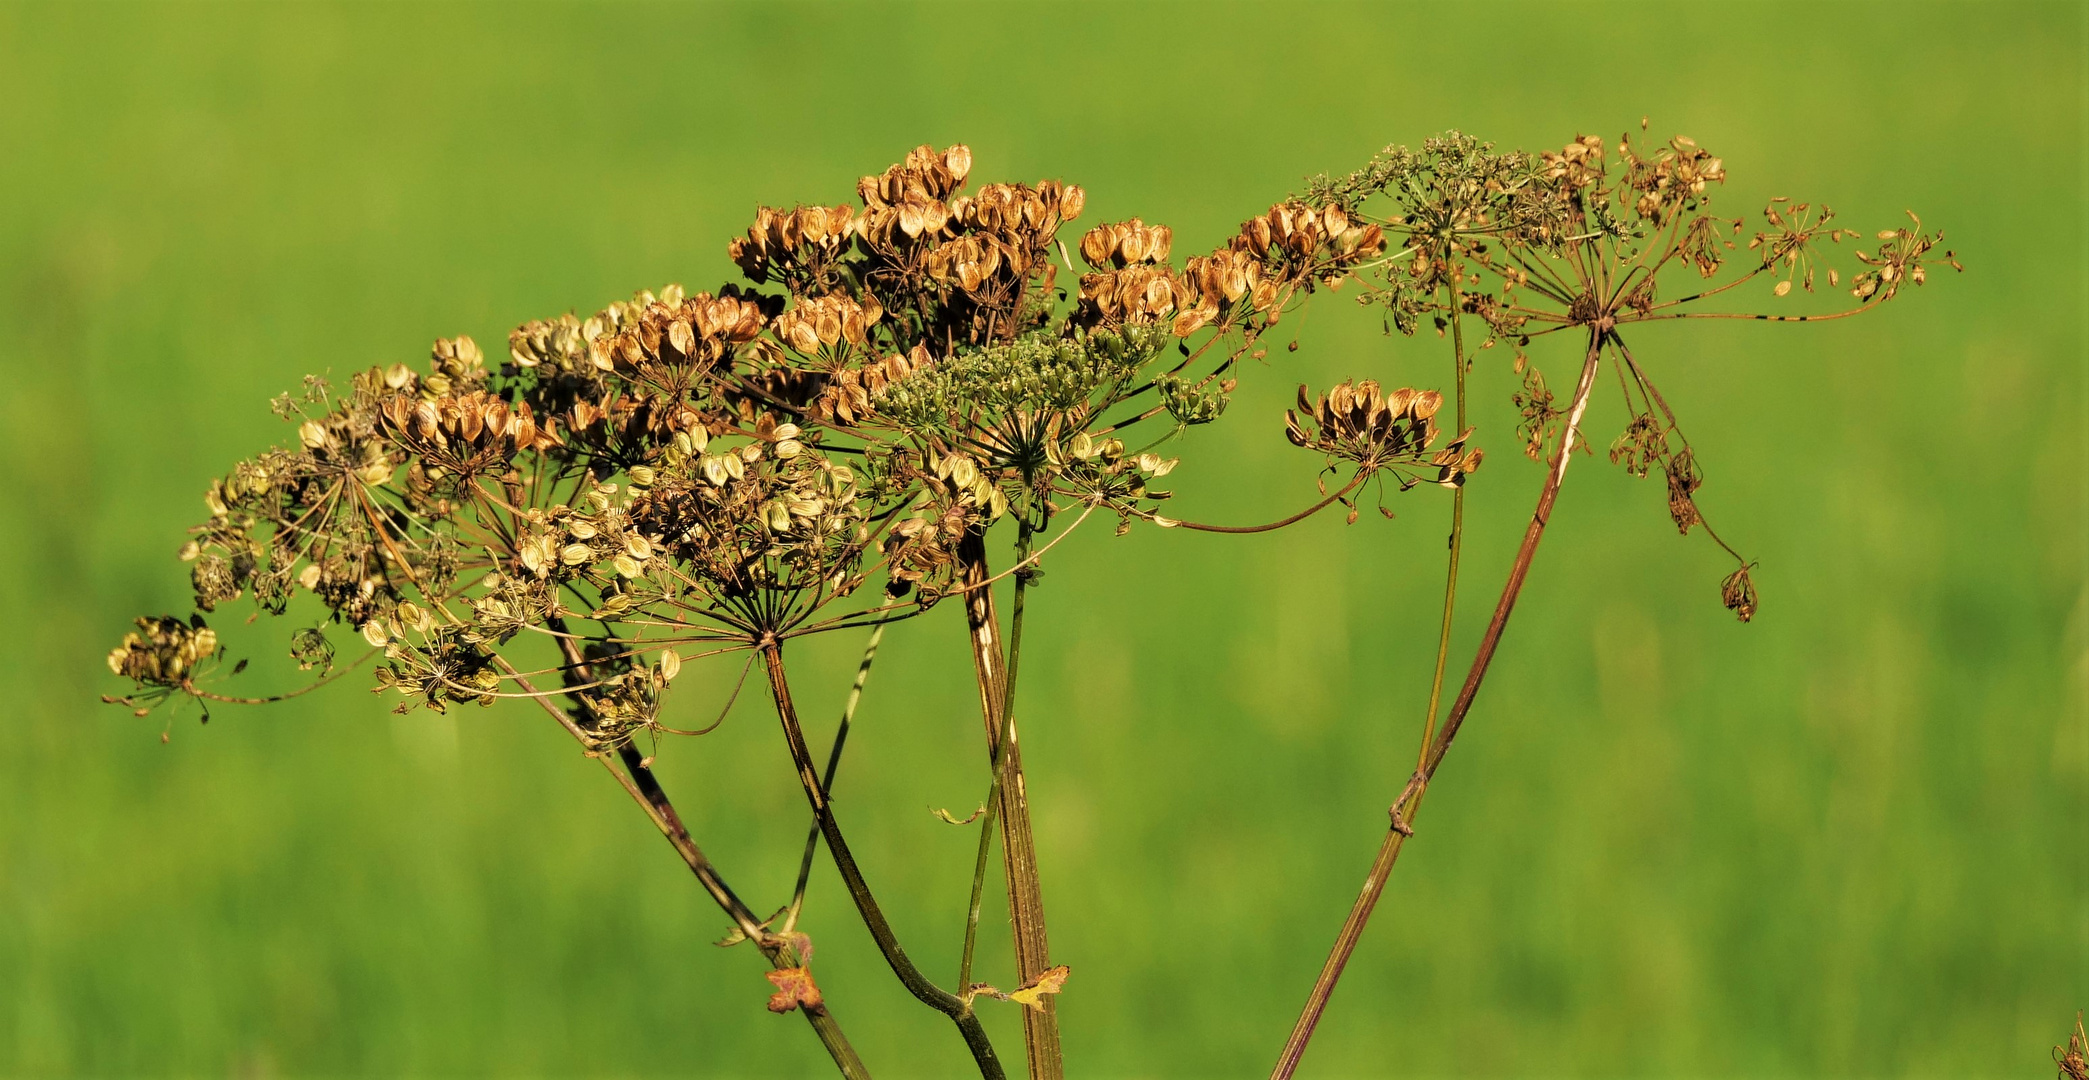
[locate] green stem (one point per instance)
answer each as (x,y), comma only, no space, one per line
(1450,578)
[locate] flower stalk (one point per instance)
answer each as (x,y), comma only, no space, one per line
(994,672)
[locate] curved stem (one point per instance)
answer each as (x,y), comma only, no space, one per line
(1360,477)
(638,781)
(874,919)
(1411,797)
(193,690)
(841,737)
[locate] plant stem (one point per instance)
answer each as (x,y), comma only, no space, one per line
(918,984)
(1457,540)
(646,791)
(1411,797)
(841,736)
(993,791)
(1018,847)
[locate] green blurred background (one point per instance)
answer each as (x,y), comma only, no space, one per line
(1850,839)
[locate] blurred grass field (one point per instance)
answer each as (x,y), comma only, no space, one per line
(1849,839)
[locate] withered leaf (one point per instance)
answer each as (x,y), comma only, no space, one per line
(1048,981)
(794,989)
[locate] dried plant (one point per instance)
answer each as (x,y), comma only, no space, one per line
(831,445)
(2073,1059)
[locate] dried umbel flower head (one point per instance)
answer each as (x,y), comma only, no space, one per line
(672,465)
(2073,1059)
(671,461)
(1737,592)
(795,246)
(164,651)
(1126,243)
(1583,238)
(1375,430)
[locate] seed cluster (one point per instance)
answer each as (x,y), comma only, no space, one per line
(1362,424)
(700,471)
(1581,239)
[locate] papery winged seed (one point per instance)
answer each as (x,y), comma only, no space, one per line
(425,419)
(812,223)
(1135,245)
(1096,245)
(1071,202)
(1339,399)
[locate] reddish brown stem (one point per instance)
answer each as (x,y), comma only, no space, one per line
(1361,476)
(1018,848)
(1410,800)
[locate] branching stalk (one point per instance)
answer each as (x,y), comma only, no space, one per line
(1410,798)
(638,781)
(881,931)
